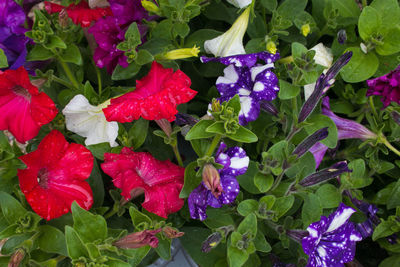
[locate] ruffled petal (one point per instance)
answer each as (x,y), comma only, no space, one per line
(197,202)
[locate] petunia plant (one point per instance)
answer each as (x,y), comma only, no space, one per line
(233,132)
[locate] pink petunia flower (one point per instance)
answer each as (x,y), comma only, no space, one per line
(23,108)
(81,13)
(386,86)
(55,176)
(156,97)
(138,172)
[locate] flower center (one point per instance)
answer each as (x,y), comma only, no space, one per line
(43,178)
(21,91)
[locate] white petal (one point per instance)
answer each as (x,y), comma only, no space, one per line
(239,3)
(239,163)
(256,70)
(340,219)
(230,76)
(323,55)
(231,42)
(308,89)
(245,104)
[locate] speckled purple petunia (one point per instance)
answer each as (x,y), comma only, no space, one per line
(235,162)
(332,240)
(251,81)
(387,86)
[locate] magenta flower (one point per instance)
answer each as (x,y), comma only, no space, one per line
(387,86)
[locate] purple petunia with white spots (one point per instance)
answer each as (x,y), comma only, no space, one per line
(332,240)
(251,81)
(235,162)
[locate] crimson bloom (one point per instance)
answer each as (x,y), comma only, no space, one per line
(81,13)
(23,108)
(55,176)
(137,172)
(156,97)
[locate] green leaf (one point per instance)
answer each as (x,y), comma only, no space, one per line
(3,59)
(357,178)
(198,131)
(38,52)
(246,180)
(320,121)
(283,205)
(143,57)
(98,150)
(263,182)
(391,261)
(248,225)
(111,262)
(287,90)
(269,4)
(164,248)
(12,209)
(75,246)
(199,37)
(312,209)
(90,227)
(261,243)
(237,257)
(329,196)
(346,8)
(243,135)
(51,240)
(55,42)
(181,28)
(96,184)
(191,180)
(136,255)
(138,133)
(391,42)
(218,217)
(138,218)
(390,11)
(290,8)
(234,103)
(360,67)
(247,206)
(382,230)
(72,55)
(298,50)
(121,73)
(394,197)
(369,22)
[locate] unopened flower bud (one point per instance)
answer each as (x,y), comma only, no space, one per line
(342,36)
(211,180)
(63,18)
(311,140)
(305,29)
(212,241)
(181,53)
(325,174)
(139,239)
(267,106)
(172,232)
(271,47)
(364,48)
(165,125)
(185,119)
(16,258)
(396,117)
(215,105)
(151,7)
(39,82)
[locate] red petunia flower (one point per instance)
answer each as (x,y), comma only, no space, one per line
(23,108)
(156,97)
(55,176)
(135,172)
(81,13)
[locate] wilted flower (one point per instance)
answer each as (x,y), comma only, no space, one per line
(24,110)
(139,239)
(135,172)
(212,180)
(342,36)
(325,174)
(251,81)
(12,38)
(89,121)
(172,232)
(324,81)
(156,97)
(332,240)
(55,176)
(231,42)
(215,238)
(235,162)
(310,141)
(387,86)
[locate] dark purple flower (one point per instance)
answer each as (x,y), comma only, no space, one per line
(128,11)
(252,82)
(332,240)
(325,174)
(342,36)
(12,33)
(108,35)
(310,141)
(347,129)
(387,86)
(323,83)
(235,162)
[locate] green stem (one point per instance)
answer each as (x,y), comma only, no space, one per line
(111,212)
(371,104)
(286,60)
(214,144)
(389,145)
(177,154)
(62,82)
(67,71)
(364,3)
(98,80)
(277,181)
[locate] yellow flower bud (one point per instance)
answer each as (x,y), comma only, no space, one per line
(180,53)
(271,47)
(305,29)
(151,7)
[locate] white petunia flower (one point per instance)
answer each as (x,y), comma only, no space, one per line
(240,3)
(323,56)
(231,42)
(89,121)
